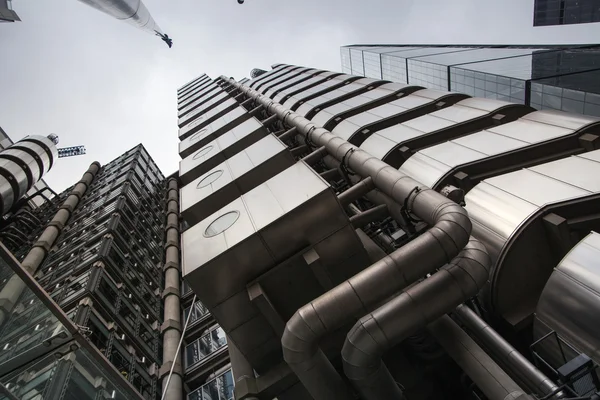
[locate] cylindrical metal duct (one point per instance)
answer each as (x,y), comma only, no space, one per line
(133,12)
(478,365)
(535,379)
(22,165)
(404,315)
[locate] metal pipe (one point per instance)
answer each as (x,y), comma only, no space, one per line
(168,379)
(288,134)
(269,120)
(14,287)
(330,174)
(449,233)
(315,156)
(404,315)
(296,151)
(534,379)
(171,328)
(366,217)
(476,363)
(357,191)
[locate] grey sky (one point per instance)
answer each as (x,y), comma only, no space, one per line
(69,69)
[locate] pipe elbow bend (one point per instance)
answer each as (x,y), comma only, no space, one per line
(298,341)
(364,345)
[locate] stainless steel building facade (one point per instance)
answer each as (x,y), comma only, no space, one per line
(546,78)
(327,236)
(350,237)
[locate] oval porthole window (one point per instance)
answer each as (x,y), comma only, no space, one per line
(202,152)
(198,135)
(221,224)
(210,178)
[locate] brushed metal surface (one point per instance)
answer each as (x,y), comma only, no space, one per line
(570,302)
(220,149)
(350,126)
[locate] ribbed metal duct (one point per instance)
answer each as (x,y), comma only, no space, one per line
(133,12)
(22,165)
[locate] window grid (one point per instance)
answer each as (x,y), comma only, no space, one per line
(429,75)
(372,62)
(356,58)
(346,64)
(549,97)
(490,86)
(393,68)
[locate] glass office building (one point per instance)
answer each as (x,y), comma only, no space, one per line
(555,78)
(565,12)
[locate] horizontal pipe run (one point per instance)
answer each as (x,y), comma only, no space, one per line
(269,120)
(330,174)
(256,110)
(357,191)
(535,379)
(364,218)
(476,363)
(315,156)
(290,133)
(296,151)
(377,332)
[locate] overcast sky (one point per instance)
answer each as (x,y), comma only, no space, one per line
(93,80)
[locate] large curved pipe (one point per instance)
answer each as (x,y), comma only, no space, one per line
(449,233)
(404,315)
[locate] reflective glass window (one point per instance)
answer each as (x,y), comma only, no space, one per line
(206,345)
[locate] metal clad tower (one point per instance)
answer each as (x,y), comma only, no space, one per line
(133,12)
(22,165)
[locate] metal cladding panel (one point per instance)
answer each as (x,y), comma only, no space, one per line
(220,149)
(26,160)
(430,165)
(256,210)
(290,83)
(283,80)
(210,104)
(41,145)
(347,128)
(283,72)
(193,90)
(234,177)
(191,83)
(198,98)
(16,175)
(212,131)
(271,225)
(199,88)
(200,101)
(570,301)
(6,195)
(207,118)
(503,210)
(300,88)
(462,111)
(323,116)
(359,84)
(269,74)
(327,85)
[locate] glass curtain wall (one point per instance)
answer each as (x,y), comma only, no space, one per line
(557,78)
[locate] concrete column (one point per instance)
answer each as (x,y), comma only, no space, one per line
(171,327)
(14,287)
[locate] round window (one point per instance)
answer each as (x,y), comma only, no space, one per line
(202,152)
(198,135)
(209,179)
(221,224)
